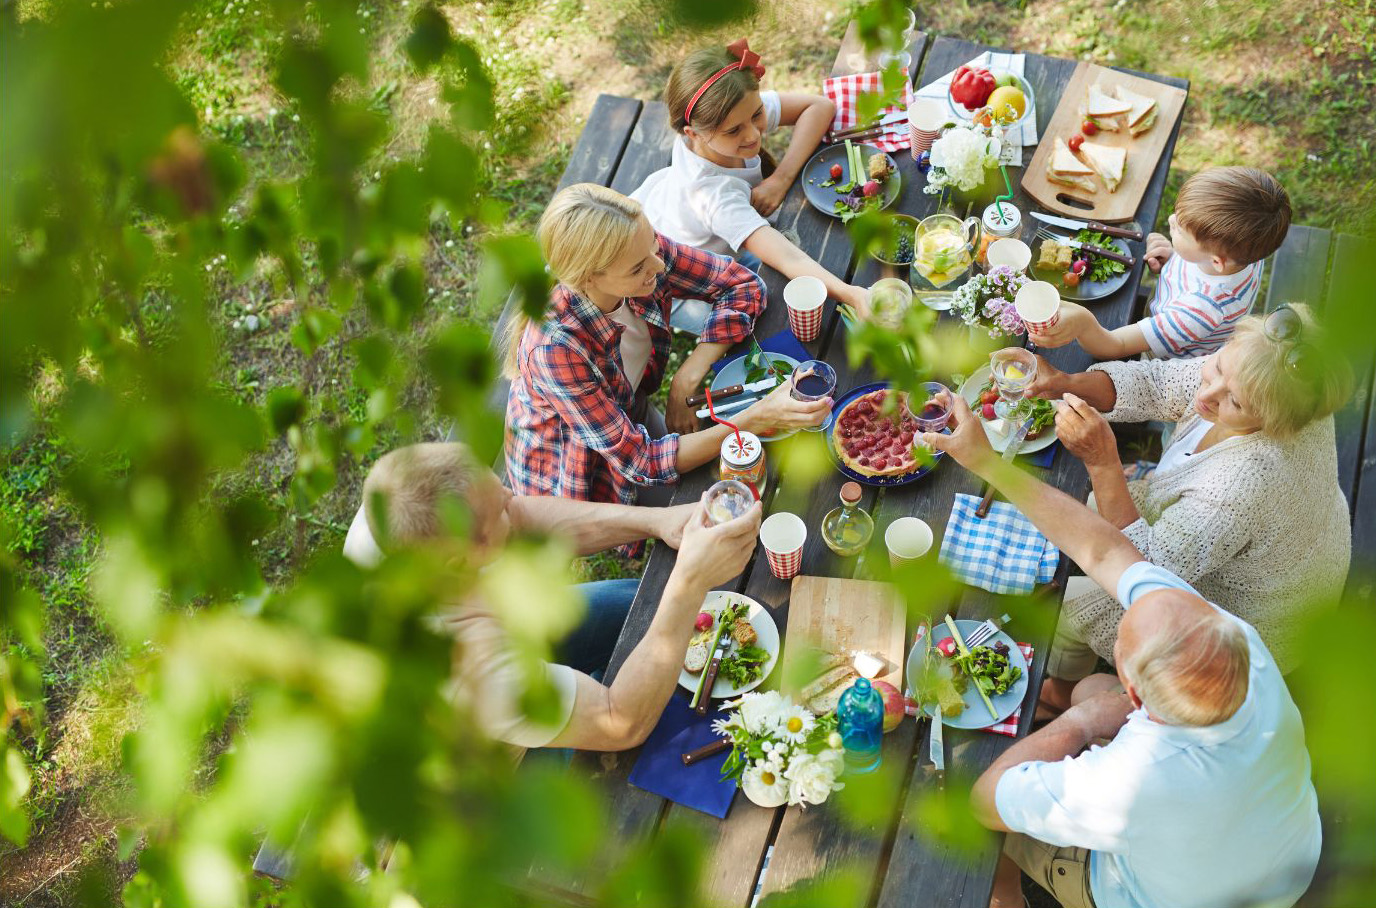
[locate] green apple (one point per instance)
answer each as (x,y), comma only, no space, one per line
(1006,79)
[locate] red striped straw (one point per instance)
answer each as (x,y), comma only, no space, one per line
(711,411)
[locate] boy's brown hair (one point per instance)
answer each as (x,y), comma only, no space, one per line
(404,490)
(1239,213)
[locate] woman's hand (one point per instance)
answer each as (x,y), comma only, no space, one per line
(1069,327)
(1159,251)
(858,298)
(778,410)
(671,522)
(1049,383)
(709,556)
(967,443)
(769,195)
(680,418)
(1085,433)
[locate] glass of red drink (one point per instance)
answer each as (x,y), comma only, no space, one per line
(934,411)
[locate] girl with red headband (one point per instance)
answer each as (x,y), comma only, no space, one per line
(722,187)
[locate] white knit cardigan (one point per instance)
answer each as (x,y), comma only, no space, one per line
(1258,526)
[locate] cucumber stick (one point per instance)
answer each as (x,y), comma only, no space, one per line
(965,651)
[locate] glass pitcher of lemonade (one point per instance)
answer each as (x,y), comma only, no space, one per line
(945,248)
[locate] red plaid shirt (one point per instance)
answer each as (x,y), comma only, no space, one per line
(567,429)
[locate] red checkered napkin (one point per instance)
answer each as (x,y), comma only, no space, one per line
(845,90)
(1009,726)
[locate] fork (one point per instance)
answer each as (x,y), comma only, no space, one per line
(1044,234)
(986,630)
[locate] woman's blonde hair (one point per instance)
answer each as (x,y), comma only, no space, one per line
(585,228)
(717,102)
(1289,383)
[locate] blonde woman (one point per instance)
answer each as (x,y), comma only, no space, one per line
(579,421)
(721,188)
(1245,504)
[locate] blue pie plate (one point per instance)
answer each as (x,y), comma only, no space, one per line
(900,480)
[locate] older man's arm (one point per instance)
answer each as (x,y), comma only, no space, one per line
(1097,546)
(595,526)
(1075,729)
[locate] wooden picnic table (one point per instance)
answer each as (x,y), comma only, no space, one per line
(896,863)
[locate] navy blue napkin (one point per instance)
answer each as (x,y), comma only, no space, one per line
(1043,457)
(784,342)
(660,768)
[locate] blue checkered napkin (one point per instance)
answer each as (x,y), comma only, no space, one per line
(1003,553)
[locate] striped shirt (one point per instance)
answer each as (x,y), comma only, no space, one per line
(1193,313)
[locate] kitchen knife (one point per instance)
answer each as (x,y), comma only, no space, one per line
(1014,445)
(732,391)
(705,751)
(733,407)
(710,675)
(936,748)
(1098,250)
(1072,224)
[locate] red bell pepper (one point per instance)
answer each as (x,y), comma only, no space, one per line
(972,86)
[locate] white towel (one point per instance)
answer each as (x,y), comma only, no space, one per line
(1015,139)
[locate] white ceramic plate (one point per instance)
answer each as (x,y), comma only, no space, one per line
(970,391)
(765,629)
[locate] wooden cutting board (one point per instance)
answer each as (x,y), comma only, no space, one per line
(829,614)
(1143,152)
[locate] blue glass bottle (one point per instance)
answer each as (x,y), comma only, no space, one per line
(861,715)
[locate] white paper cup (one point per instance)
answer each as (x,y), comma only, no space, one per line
(1038,304)
(783,535)
(907,539)
(804,297)
(925,119)
(1010,252)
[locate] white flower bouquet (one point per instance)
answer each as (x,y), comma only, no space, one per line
(961,157)
(781,753)
(986,301)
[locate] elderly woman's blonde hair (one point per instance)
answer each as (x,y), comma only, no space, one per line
(1283,397)
(1196,674)
(585,228)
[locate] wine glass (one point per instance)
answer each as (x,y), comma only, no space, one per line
(933,414)
(1014,369)
(813,380)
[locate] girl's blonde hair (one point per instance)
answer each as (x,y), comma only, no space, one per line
(1289,383)
(585,228)
(717,102)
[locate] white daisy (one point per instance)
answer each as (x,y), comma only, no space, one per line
(765,787)
(795,723)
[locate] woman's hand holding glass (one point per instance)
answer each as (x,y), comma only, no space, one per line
(779,410)
(1049,383)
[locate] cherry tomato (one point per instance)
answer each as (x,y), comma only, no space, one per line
(1089,127)
(1076,141)
(1071,278)
(989,397)
(836,171)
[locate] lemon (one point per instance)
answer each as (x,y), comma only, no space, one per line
(1008,103)
(1014,372)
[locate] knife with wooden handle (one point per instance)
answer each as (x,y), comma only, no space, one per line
(710,675)
(706,750)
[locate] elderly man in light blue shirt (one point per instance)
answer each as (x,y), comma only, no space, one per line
(1202,797)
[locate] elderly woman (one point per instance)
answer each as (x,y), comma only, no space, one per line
(1245,503)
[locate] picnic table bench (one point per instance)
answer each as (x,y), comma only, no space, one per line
(624,141)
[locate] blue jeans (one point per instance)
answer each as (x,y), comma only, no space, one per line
(589,647)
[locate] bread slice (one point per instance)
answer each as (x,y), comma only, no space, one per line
(1065,169)
(1142,116)
(1109,162)
(1099,104)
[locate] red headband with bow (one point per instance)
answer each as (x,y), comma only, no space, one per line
(748,59)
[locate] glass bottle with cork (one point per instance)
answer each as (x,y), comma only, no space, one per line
(742,459)
(847,530)
(1001,219)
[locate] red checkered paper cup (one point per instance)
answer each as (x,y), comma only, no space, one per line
(1038,304)
(925,119)
(783,535)
(804,297)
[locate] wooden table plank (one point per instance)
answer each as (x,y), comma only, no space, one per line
(1299,266)
(649,148)
(597,154)
(917,863)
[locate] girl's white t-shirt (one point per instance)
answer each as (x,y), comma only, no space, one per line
(701,204)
